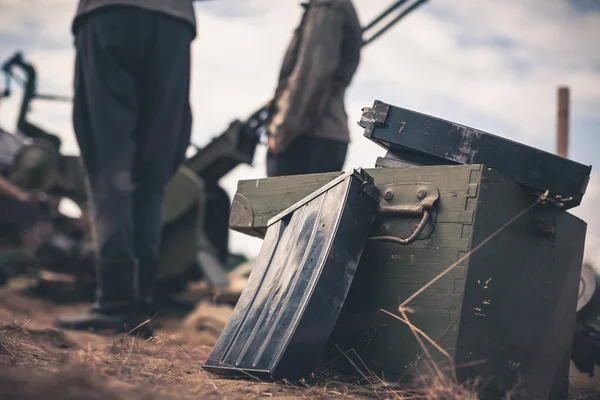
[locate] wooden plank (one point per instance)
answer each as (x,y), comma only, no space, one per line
(269,196)
(562,127)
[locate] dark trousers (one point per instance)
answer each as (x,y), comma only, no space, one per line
(132,119)
(308,155)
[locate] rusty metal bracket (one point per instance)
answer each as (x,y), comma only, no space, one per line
(407,199)
(401,200)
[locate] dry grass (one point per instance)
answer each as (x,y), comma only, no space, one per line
(31,348)
(84,366)
(169,366)
(81,365)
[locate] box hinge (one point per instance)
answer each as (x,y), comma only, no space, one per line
(374,117)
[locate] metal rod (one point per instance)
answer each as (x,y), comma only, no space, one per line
(384,14)
(562,129)
(377,19)
(408,10)
(52,97)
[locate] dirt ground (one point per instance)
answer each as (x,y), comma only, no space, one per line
(38,361)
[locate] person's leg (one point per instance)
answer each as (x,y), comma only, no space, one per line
(105,115)
(326,156)
(162,137)
(216,223)
(293,161)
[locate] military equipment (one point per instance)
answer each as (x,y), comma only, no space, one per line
(184,245)
(35,167)
(38,167)
(474,308)
(373,36)
(29,93)
(234,147)
(420,139)
(195,211)
(41,166)
(280,327)
(485,265)
(586,344)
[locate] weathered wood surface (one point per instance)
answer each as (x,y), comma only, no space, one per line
(269,196)
(521,290)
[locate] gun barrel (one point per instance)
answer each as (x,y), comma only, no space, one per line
(384,14)
(403,14)
(53,97)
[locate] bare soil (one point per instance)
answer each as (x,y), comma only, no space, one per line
(38,361)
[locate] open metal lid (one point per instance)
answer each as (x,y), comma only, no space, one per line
(587,287)
(426,140)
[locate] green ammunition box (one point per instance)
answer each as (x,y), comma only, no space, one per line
(505,313)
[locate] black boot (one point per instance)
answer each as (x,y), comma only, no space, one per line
(115,309)
(106,321)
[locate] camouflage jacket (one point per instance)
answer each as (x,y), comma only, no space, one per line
(181,9)
(317,68)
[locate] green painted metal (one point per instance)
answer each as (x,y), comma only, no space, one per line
(179,243)
(179,246)
(507,311)
(182,192)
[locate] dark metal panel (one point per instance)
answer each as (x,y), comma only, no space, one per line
(407,133)
(295,293)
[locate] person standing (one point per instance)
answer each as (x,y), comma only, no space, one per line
(132,120)
(308,131)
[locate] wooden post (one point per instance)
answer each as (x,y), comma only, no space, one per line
(562,130)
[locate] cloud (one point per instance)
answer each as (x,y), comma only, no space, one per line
(494,66)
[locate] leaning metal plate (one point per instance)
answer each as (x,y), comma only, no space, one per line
(296,290)
(182,193)
(587,287)
(434,141)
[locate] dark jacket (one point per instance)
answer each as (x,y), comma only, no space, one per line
(317,68)
(181,9)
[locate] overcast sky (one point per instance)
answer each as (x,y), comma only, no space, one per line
(491,65)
